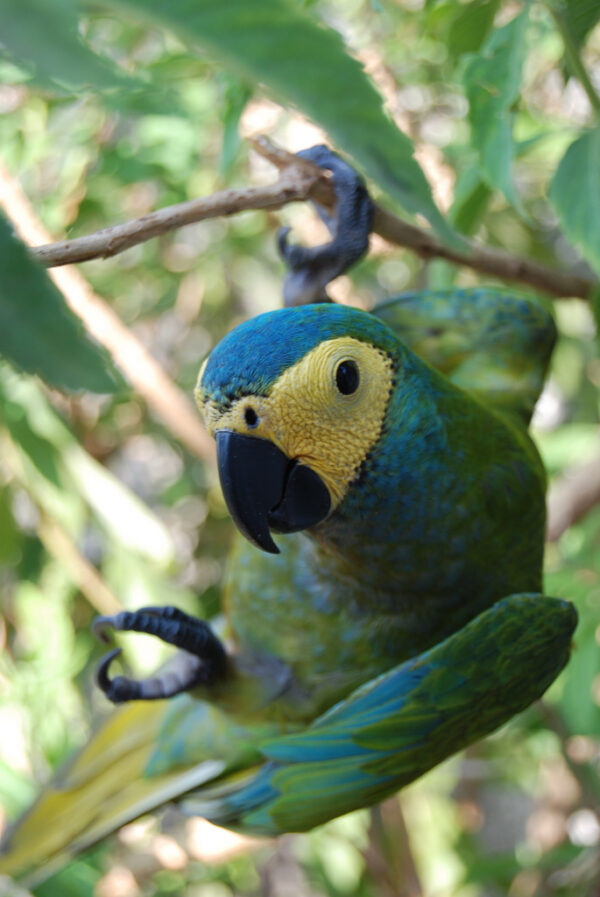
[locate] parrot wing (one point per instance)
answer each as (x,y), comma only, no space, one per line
(492,344)
(393,729)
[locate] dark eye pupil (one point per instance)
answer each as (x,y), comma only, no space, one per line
(347,377)
(250,417)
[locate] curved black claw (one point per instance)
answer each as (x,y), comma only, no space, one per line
(310,270)
(201,661)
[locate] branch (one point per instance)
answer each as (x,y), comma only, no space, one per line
(112,240)
(494,262)
(423,243)
(300,181)
(572,497)
(162,395)
(388,856)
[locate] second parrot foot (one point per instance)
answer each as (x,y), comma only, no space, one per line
(311,269)
(201,661)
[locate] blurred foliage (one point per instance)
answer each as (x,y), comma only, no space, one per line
(57,347)
(117,116)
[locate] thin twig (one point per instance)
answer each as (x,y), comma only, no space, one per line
(162,395)
(299,181)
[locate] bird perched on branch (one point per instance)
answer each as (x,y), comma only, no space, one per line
(384,601)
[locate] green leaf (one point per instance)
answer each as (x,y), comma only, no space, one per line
(236,95)
(44,38)
(34,460)
(471,197)
(11,535)
(577,580)
(431,5)
(304,63)
(438,17)
(581,16)
(471,25)
(78,879)
(595,304)
(575,194)
(461,27)
(492,79)
(61,475)
(580,711)
(38,332)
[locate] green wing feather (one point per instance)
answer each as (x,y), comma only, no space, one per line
(395,728)
(492,344)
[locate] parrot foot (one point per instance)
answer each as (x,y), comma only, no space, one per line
(201,660)
(310,270)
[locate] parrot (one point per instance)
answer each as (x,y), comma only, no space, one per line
(383,601)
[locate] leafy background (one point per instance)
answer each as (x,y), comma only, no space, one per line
(112,109)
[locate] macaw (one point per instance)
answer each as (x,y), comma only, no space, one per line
(384,600)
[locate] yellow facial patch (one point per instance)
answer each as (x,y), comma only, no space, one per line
(309,418)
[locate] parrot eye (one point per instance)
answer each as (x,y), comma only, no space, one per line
(347,377)
(250,416)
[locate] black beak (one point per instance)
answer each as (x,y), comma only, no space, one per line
(264,489)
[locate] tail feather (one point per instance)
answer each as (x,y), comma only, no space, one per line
(381,737)
(106,786)
(129,728)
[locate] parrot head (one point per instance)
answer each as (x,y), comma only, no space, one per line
(296,400)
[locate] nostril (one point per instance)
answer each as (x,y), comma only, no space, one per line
(250,416)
